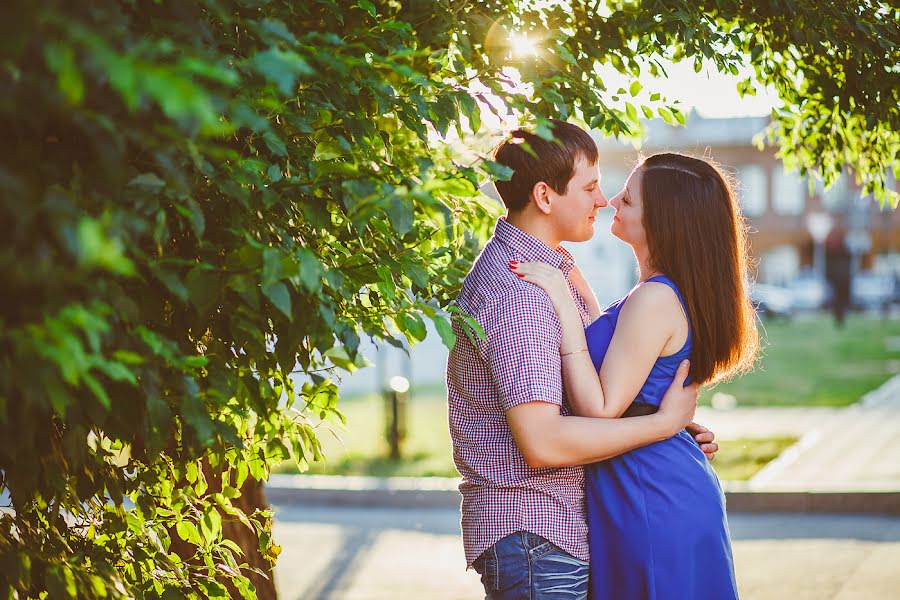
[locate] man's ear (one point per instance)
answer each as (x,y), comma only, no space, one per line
(541,194)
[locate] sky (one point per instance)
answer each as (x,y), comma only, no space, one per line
(712,94)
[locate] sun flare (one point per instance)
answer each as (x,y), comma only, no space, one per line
(522,45)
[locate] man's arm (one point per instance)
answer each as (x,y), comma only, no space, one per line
(547,439)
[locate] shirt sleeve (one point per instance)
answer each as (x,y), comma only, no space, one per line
(522,340)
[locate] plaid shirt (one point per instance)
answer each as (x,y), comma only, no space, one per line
(517,362)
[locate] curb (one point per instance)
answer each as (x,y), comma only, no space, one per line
(336,490)
(884,503)
(441,492)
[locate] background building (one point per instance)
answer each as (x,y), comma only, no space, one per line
(782,213)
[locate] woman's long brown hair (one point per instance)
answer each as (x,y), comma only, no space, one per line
(696,235)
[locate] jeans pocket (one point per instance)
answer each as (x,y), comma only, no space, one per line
(486,566)
(542,550)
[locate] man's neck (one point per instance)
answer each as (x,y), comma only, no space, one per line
(536,228)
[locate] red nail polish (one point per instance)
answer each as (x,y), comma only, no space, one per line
(519,275)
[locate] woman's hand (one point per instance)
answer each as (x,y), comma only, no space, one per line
(548,278)
(552,280)
(680,401)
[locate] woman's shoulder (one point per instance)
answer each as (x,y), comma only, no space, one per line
(654,299)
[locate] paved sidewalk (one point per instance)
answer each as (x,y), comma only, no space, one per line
(353,553)
(854,448)
(857,448)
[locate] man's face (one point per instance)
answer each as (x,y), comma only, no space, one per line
(575,211)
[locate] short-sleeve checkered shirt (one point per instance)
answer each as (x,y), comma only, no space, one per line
(517,362)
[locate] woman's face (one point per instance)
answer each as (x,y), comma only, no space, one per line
(628,223)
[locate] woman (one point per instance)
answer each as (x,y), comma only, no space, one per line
(656,515)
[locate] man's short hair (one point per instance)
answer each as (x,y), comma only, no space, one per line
(553,162)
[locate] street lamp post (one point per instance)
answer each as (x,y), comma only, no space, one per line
(396,400)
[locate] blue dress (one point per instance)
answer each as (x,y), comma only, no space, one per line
(656,515)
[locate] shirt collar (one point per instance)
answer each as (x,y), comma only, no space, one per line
(530,248)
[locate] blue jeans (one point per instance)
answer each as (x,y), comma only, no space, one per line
(525,566)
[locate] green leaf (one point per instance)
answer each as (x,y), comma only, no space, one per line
(468,322)
(275,144)
(171,281)
(97,389)
(272,267)
(648,112)
(96,248)
(280,297)
(148,181)
(211,524)
(635,88)
(311,270)
(282,68)
(445,330)
(400,213)
(213,588)
(339,357)
(195,415)
(631,111)
(368,7)
(328,150)
(667,115)
(242,470)
(566,55)
(203,287)
(276,31)
(61,60)
(498,171)
(187,531)
(413,326)
(61,582)
(196,216)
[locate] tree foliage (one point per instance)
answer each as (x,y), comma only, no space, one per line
(205,205)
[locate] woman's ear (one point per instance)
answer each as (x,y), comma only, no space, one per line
(541,195)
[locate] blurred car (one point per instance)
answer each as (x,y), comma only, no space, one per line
(772,300)
(809,292)
(873,290)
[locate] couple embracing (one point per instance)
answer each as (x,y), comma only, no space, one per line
(572,424)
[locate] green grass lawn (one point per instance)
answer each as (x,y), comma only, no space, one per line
(806,362)
(809,362)
(361,449)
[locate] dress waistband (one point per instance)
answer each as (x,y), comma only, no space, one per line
(640,409)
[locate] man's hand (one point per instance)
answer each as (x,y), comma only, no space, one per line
(680,402)
(705,438)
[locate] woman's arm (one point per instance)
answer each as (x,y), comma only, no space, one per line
(643,328)
(647,322)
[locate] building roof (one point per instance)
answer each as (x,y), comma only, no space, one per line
(735,131)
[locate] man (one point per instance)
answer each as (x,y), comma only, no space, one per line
(515,443)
